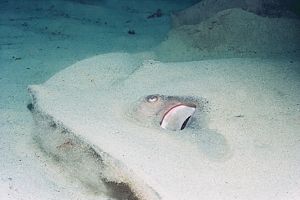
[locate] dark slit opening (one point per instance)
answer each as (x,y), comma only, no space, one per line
(185,123)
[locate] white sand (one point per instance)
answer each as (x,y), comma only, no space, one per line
(254,105)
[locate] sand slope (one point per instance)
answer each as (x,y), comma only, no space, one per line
(208,8)
(232,33)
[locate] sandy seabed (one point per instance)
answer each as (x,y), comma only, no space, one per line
(253,106)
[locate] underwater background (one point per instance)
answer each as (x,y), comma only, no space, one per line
(252,46)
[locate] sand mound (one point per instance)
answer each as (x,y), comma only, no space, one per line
(232,33)
(208,8)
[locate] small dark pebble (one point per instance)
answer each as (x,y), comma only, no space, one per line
(105,23)
(291,61)
(16,58)
(158,13)
(131,32)
(56,33)
(58,47)
(25,24)
(239,116)
(128,21)
(27,67)
(30,107)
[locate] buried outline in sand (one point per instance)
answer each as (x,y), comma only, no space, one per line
(151,155)
(109,176)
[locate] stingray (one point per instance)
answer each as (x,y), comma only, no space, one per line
(210,129)
(102,120)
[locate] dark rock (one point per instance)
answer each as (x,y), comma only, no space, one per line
(30,107)
(131,32)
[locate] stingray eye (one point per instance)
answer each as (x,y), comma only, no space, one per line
(152,98)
